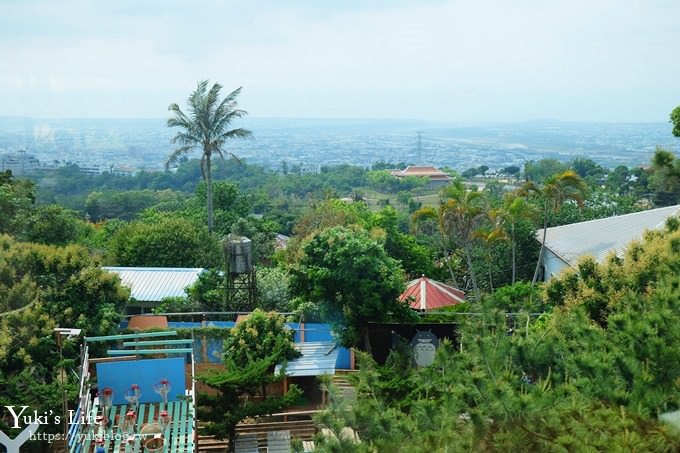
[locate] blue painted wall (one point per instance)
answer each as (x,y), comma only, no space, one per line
(313,332)
(120,376)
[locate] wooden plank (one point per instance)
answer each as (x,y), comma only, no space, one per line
(92,430)
(166,435)
(190,428)
(180,440)
(128,344)
(123,358)
(138,425)
(121,438)
(152,408)
(73,431)
(127,336)
(140,417)
(108,431)
(149,351)
(176,421)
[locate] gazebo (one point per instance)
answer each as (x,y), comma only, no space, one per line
(425,294)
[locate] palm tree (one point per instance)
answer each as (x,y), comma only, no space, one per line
(515,209)
(206,127)
(460,214)
(556,190)
(418,220)
(490,234)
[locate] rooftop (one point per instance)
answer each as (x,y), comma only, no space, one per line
(426,294)
(598,238)
(413,170)
(318,357)
(153,284)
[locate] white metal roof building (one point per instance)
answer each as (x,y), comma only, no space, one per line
(567,244)
(150,285)
(318,357)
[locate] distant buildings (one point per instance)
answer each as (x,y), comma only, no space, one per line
(125,170)
(20,163)
(436,176)
(94,169)
(309,168)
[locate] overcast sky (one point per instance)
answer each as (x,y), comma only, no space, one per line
(472,60)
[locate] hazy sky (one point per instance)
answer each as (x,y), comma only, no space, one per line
(472,60)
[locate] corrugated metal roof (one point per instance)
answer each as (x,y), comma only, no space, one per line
(153,284)
(318,357)
(598,238)
(430,294)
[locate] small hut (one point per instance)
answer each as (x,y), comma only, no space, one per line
(425,294)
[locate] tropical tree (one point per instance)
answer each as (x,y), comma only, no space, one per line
(426,219)
(556,190)
(516,209)
(206,127)
(461,213)
(490,234)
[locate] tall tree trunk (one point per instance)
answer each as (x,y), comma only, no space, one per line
(447,258)
(448,265)
(540,254)
(514,251)
(208,182)
(488,267)
(367,340)
(468,258)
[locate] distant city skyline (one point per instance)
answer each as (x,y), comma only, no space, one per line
(431,60)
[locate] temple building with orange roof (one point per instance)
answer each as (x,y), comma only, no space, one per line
(436,176)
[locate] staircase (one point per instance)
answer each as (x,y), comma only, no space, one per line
(347,391)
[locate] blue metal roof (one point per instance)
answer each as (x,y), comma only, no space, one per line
(153,284)
(318,357)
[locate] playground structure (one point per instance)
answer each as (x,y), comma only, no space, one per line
(136,408)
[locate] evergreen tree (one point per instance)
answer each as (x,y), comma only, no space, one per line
(251,352)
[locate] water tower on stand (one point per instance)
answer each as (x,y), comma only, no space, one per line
(241,288)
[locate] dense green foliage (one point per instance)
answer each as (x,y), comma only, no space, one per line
(43,287)
(348,273)
(164,241)
(16,199)
(675,120)
(251,351)
(576,380)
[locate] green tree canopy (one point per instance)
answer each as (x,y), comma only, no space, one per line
(349,274)
(52,224)
(16,201)
(675,120)
(251,351)
(164,241)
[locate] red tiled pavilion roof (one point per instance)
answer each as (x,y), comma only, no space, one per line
(429,294)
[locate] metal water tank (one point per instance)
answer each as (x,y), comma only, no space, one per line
(240,254)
